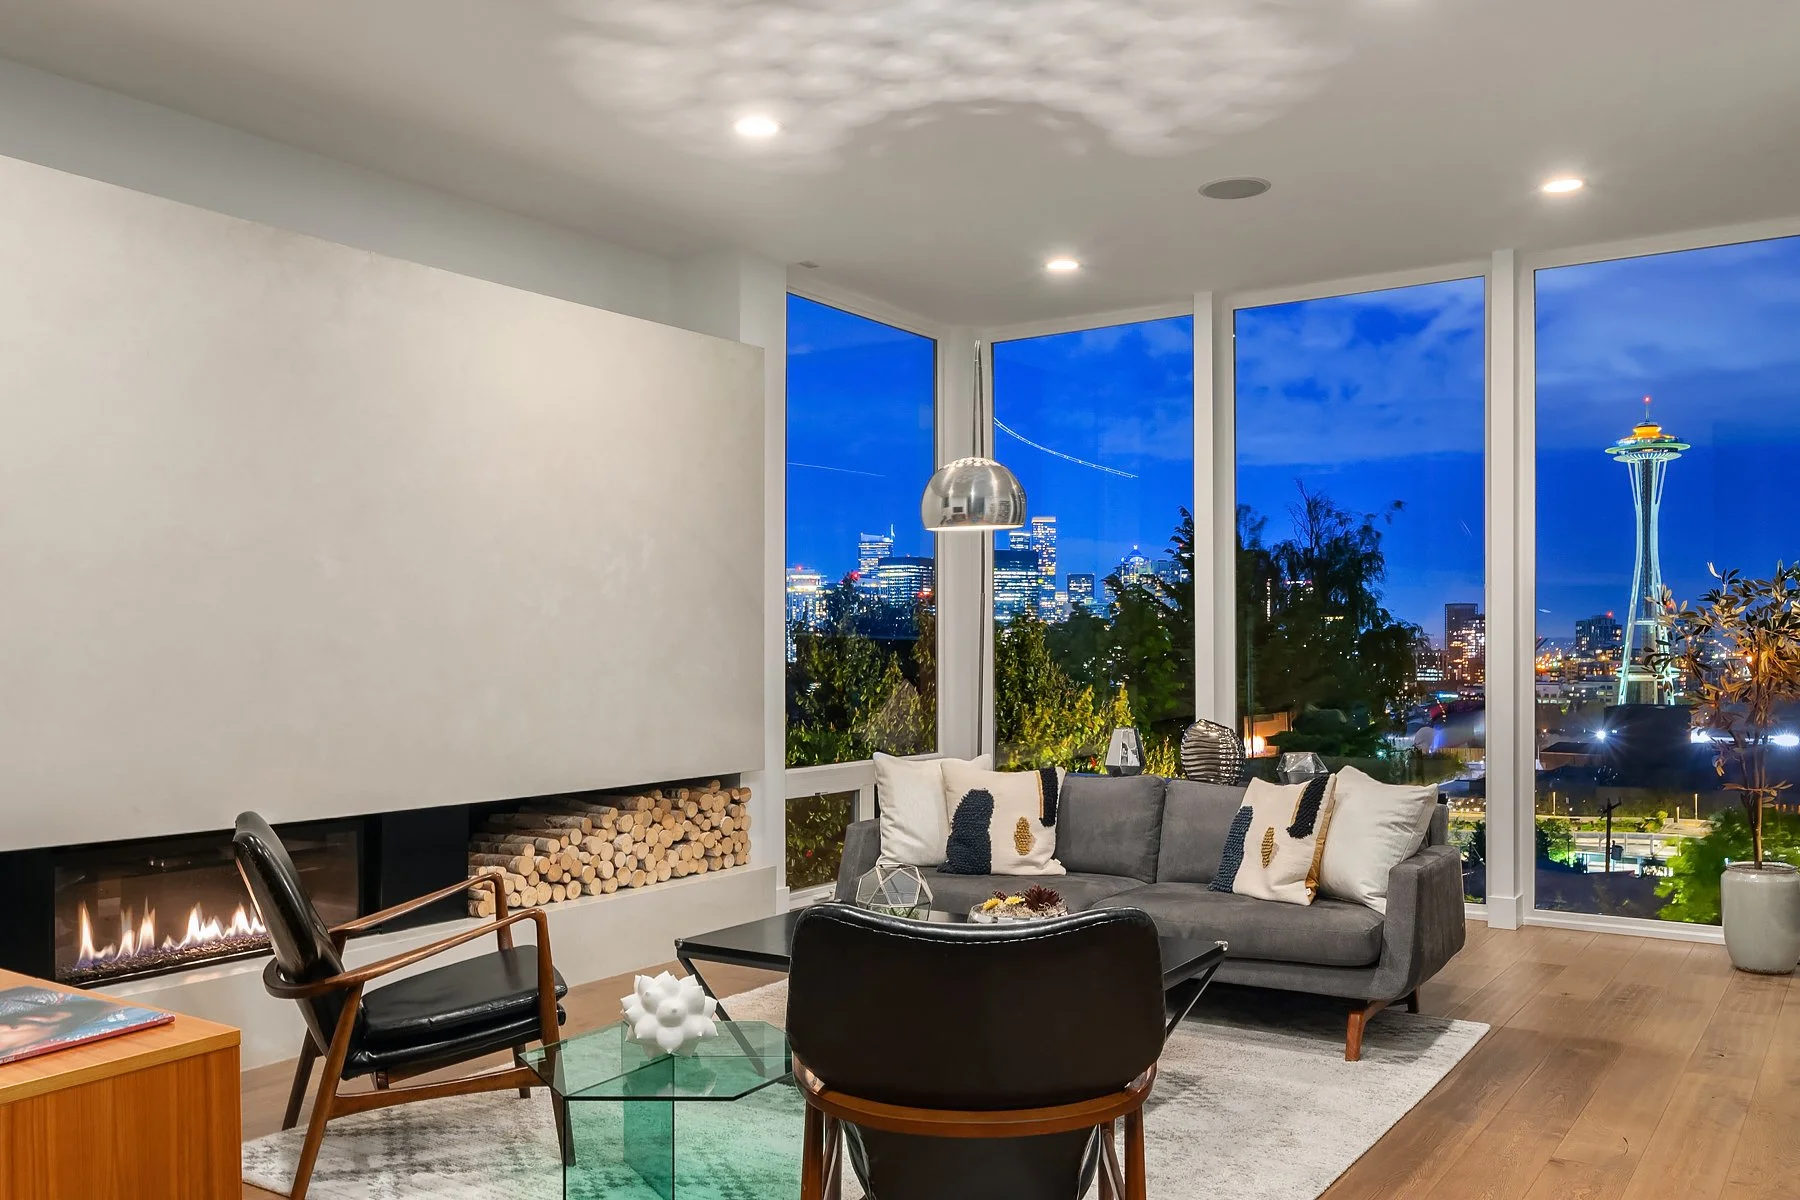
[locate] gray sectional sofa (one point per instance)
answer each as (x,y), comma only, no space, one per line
(1152,843)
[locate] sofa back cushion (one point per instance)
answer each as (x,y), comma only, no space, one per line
(1111,825)
(1195,820)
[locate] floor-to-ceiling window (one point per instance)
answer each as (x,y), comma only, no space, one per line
(1667,426)
(861,570)
(1361,559)
(1093,599)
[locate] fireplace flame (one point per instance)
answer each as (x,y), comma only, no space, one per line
(138,938)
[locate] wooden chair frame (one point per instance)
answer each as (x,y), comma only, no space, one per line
(329,1101)
(821,1163)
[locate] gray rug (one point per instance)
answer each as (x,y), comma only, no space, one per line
(1253,1100)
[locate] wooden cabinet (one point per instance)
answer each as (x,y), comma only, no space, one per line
(151,1115)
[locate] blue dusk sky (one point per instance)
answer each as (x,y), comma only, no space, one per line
(1713,336)
(1099,427)
(860,435)
(1370,399)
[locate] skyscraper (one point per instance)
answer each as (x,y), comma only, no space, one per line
(1646,452)
(901,582)
(805,603)
(1465,643)
(871,548)
(1134,566)
(1015,583)
(1081,591)
(1043,540)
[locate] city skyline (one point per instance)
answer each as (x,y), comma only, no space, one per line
(1371,399)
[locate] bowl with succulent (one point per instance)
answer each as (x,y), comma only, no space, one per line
(1033,904)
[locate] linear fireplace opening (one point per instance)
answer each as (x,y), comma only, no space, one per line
(128,909)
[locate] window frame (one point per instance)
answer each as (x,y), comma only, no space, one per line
(1221,654)
(858,775)
(992,336)
(1524,522)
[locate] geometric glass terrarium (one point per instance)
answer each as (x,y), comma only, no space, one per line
(898,891)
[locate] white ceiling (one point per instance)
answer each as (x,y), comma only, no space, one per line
(937,151)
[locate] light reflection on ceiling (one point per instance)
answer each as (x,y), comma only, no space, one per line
(1150,77)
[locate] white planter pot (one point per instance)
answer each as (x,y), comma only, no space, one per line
(1760,909)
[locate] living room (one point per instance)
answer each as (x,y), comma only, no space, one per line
(885,598)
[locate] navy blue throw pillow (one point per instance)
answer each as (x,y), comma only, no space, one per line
(969,850)
(1233,857)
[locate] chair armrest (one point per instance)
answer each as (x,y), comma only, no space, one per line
(285,990)
(493,877)
(862,846)
(1424,927)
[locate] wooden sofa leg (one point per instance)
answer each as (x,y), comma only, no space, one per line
(1359,1021)
(1412,1001)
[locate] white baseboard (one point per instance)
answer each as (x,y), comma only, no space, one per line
(1673,931)
(591,938)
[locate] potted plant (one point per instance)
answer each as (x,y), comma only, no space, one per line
(1739,657)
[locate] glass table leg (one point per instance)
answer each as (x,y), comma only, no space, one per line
(650,1144)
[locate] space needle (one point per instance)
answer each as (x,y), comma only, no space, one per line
(1646,452)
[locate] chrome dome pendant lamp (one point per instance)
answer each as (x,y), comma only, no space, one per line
(974,493)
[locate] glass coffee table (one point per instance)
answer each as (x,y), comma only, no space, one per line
(1188,963)
(723,1123)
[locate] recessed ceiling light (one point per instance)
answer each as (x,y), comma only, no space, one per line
(757,126)
(1563,185)
(1240,187)
(1062,265)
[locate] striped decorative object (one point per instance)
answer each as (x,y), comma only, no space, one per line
(1212,753)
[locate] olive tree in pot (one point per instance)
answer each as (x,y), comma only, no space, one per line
(1738,654)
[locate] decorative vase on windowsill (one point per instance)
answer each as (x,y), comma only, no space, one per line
(1737,657)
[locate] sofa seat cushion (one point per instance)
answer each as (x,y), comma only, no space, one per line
(1080,891)
(1325,933)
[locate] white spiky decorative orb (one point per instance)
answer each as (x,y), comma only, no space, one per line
(669,1015)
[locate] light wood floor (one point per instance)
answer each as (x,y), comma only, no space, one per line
(1619,1068)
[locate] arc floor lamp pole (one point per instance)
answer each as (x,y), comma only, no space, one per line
(975,495)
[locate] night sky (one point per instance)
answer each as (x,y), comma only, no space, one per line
(1368,398)
(860,439)
(1118,402)
(1714,336)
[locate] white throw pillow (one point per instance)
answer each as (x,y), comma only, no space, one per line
(1280,831)
(1375,826)
(1002,822)
(910,795)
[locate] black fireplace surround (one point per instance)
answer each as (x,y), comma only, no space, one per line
(89,915)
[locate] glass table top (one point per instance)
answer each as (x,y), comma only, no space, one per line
(745,1057)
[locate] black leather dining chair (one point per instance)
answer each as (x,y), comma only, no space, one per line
(437,1018)
(972,1061)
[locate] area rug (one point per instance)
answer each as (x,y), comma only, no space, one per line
(1253,1100)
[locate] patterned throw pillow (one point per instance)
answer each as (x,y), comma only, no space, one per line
(1276,842)
(1001,822)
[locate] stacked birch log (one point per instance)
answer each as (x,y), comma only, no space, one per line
(563,848)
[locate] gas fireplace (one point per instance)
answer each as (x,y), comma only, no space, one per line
(128,909)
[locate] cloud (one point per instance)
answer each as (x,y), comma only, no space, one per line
(1376,375)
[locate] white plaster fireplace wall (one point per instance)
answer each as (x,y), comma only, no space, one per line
(303,529)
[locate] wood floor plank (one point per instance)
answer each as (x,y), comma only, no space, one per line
(1415,1153)
(1766,1164)
(1691,1151)
(1505,1158)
